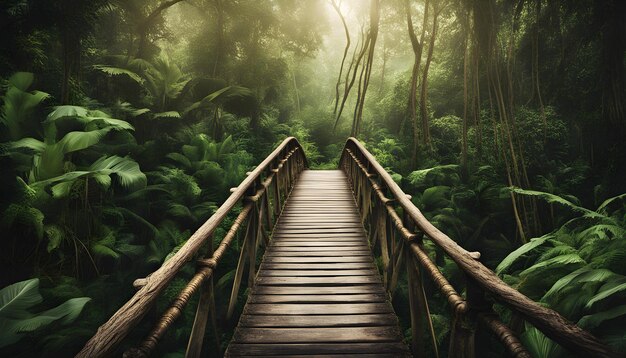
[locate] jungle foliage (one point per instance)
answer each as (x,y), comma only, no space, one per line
(123,124)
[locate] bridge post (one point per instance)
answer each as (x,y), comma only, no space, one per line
(465,325)
(417,305)
(206,309)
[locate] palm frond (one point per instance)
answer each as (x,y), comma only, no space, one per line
(521,251)
(117,71)
(555,199)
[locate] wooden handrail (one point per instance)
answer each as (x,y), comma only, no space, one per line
(111,333)
(356,158)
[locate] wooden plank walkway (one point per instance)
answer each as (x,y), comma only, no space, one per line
(317,291)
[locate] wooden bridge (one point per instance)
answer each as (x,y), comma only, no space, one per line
(317,291)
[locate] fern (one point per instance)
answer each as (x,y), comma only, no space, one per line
(116,71)
(555,199)
(603,208)
(521,251)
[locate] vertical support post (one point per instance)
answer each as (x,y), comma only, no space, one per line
(417,305)
(206,309)
(277,179)
(464,326)
(384,242)
(240,267)
(268,209)
(253,239)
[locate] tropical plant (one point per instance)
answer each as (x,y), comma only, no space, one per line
(50,155)
(19,106)
(17,316)
(577,270)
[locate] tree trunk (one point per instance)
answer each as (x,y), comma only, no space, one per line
(417,46)
(424,89)
(345,53)
(373,35)
(220,38)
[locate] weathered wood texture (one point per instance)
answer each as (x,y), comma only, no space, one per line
(317,291)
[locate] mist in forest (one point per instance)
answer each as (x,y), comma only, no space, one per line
(126,124)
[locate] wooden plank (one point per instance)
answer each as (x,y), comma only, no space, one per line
(318,235)
(317,290)
(316,308)
(313,249)
(356,298)
(322,281)
(321,335)
(286,321)
(316,273)
(318,266)
(323,259)
(301,243)
(272,253)
(378,349)
(322,240)
(319,226)
(338,233)
(311,216)
(312,221)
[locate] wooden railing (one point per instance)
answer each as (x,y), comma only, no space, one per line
(260,196)
(399,228)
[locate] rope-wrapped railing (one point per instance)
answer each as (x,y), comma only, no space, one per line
(260,196)
(397,228)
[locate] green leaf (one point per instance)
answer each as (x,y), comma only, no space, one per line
(116,123)
(22,80)
(522,250)
(583,275)
(180,159)
(127,171)
(169,114)
(105,247)
(592,321)
(75,141)
(555,199)
(116,71)
(29,143)
(66,111)
(62,189)
(558,261)
(538,345)
(55,237)
(17,298)
(139,112)
(417,177)
(103,179)
(606,293)
(67,312)
(602,208)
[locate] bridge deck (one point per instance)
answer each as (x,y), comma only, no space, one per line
(317,291)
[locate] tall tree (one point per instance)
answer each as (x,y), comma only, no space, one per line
(417,46)
(437,8)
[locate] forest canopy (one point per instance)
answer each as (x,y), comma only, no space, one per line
(124,123)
